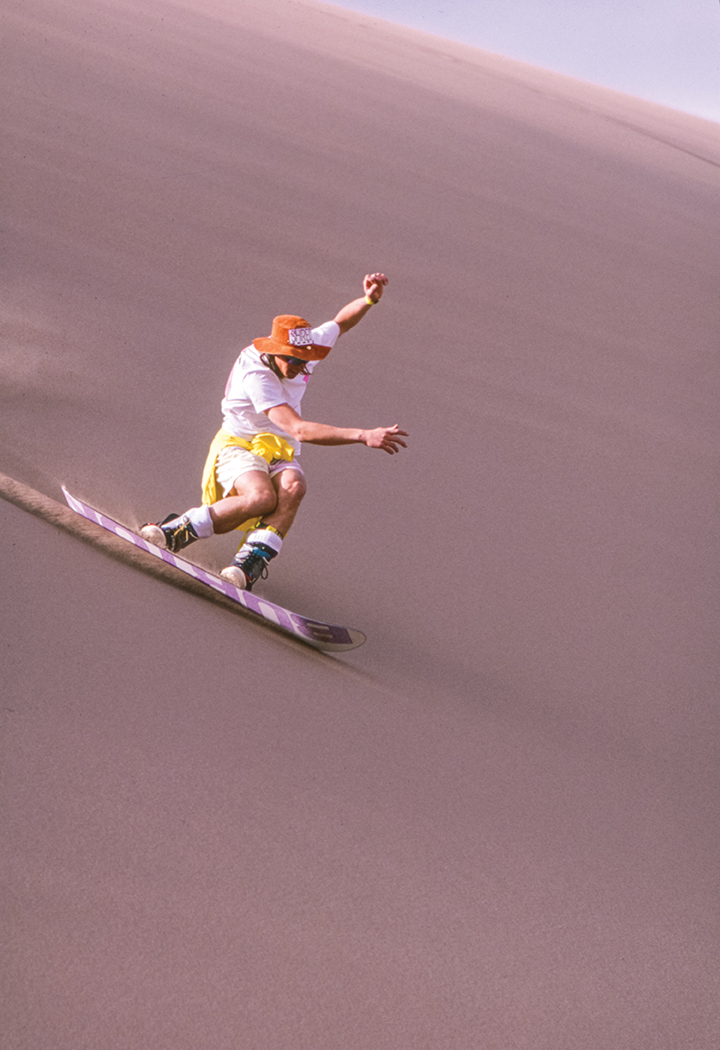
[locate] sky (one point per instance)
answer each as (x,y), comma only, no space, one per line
(666,51)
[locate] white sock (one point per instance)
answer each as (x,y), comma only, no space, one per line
(266,536)
(201,521)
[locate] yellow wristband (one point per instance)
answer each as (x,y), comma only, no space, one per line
(369,301)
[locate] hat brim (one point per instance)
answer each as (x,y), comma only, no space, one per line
(267,345)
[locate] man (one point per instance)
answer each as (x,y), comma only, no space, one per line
(252,479)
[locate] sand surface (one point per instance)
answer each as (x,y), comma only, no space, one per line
(495,826)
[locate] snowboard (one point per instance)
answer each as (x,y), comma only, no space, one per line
(328,637)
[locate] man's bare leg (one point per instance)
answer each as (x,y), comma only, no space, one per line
(265,542)
(253,496)
(290,489)
(256,495)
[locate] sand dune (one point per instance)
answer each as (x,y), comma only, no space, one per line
(495,825)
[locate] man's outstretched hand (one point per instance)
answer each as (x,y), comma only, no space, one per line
(373,285)
(389,439)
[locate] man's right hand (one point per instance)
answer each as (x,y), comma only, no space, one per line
(387,438)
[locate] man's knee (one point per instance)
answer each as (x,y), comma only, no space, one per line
(262,494)
(267,502)
(293,485)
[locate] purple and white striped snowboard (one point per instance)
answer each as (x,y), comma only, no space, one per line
(326,636)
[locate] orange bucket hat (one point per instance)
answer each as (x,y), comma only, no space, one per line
(291,337)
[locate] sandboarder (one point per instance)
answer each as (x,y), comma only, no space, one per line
(252,479)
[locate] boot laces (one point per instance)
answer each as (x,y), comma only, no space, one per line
(254,564)
(180,535)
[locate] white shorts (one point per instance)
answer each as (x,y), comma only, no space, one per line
(233,461)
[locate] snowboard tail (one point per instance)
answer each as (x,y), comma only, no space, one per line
(328,637)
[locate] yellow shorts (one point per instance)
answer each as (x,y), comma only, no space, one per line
(233,461)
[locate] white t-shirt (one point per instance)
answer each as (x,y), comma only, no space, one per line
(252,388)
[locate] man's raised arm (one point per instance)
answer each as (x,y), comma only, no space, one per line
(373,287)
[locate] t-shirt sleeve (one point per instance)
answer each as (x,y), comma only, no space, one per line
(326,334)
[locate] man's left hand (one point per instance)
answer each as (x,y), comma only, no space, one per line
(373,285)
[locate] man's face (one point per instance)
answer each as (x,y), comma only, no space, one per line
(291,366)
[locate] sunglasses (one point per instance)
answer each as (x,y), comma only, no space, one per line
(294,362)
